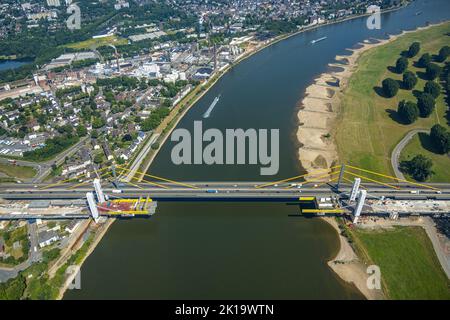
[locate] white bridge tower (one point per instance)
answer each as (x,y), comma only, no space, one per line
(355,189)
(92,206)
(99,191)
(359,205)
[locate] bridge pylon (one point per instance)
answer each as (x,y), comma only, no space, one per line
(99,191)
(115,182)
(341,176)
(355,189)
(359,205)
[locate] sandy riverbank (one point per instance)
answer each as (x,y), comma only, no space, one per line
(350,268)
(317,115)
(321,105)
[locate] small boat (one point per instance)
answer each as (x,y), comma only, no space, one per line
(418,13)
(317,40)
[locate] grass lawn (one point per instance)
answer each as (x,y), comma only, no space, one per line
(95,43)
(367,128)
(421,144)
(17,171)
(409,266)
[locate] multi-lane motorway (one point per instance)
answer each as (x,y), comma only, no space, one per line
(226,191)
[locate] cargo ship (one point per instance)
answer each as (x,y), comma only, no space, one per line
(317,40)
(211,107)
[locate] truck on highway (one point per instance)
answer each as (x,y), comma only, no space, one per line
(117,191)
(212,191)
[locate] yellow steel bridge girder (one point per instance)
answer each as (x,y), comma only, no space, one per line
(323,211)
(307,198)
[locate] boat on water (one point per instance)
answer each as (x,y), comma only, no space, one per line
(211,107)
(418,13)
(317,40)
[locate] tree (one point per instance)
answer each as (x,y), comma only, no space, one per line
(414,49)
(426,105)
(424,60)
(433,71)
(390,87)
(98,123)
(98,158)
(441,138)
(433,88)
(443,53)
(94,134)
(401,65)
(408,111)
(155,146)
(14,288)
(418,167)
(409,80)
(127,137)
(81,131)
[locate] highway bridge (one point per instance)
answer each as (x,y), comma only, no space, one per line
(345,187)
(224,191)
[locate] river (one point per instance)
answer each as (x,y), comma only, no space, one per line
(241,250)
(12,64)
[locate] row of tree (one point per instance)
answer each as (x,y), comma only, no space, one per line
(409,111)
(432,70)
(52,147)
(155,118)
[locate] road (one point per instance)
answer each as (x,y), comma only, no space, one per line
(43,168)
(220,190)
(34,256)
(395,157)
(47,165)
(141,156)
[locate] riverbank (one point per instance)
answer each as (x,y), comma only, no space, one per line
(322,106)
(410,253)
(97,238)
(253,50)
(349,267)
(369,118)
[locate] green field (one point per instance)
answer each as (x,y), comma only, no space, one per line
(409,266)
(17,171)
(95,43)
(421,144)
(367,129)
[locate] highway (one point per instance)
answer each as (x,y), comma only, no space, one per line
(221,191)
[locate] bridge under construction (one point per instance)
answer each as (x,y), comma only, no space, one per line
(113,192)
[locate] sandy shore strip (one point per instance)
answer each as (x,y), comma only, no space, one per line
(350,268)
(320,106)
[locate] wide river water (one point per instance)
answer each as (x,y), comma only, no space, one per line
(241,250)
